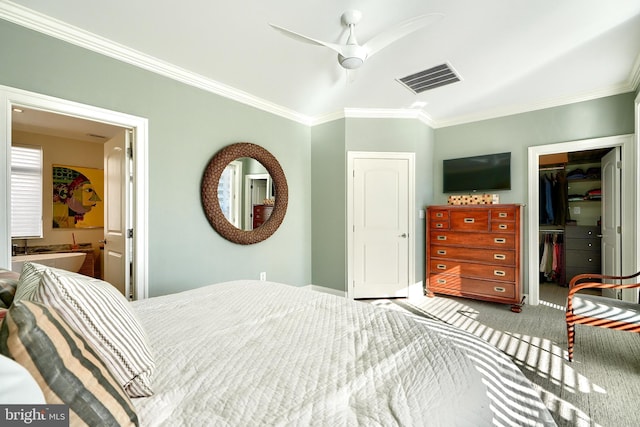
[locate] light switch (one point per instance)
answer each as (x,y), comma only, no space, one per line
(576,210)
(421,214)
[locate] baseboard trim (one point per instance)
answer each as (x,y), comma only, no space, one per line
(326,290)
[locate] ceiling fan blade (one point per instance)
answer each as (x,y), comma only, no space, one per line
(399,31)
(305,39)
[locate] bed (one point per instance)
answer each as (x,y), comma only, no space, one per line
(262,353)
(267,354)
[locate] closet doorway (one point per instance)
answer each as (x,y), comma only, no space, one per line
(579,214)
(582,163)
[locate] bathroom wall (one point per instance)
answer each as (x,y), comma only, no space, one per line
(69,152)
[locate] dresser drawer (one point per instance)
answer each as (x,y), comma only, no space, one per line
(439,224)
(500,257)
(438,214)
(504,214)
(503,226)
(473,240)
(470,220)
(452,285)
(591,244)
(583,259)
(581,232)
(571,272)
(468,269)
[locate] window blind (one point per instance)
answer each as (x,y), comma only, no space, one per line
(26,191)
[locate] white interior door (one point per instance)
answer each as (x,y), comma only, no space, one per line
(116,192)
(611,218)
(257,190)
(380,227)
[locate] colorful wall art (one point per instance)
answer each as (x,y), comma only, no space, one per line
(77,197)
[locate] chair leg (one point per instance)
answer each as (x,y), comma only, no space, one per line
(570,337)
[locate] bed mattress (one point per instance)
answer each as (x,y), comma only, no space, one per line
(261,353)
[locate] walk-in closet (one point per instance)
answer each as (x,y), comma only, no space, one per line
(570,214)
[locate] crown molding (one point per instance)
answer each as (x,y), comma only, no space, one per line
(326,118)
(374,113)
(44,24)
(634,77)
(526,108)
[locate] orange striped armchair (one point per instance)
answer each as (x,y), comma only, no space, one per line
(593,310)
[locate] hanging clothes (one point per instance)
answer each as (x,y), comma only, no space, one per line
(552,257)
(554,199)
(561,199)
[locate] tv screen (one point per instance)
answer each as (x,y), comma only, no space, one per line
(477,173)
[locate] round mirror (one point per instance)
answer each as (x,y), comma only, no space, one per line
(238,213)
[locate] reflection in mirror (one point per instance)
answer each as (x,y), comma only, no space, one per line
(229,192)
(246,193)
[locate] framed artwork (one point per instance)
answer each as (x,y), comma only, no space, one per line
(77,197)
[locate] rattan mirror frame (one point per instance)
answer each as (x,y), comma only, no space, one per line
(211,204)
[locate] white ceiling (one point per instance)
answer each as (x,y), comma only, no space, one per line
(512,55)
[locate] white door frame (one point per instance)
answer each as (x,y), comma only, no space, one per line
(351,156)
(629,200)
(10,97)
(248,196)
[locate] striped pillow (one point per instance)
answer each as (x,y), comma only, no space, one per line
(103,316)
(66,368)
(29,280)
(7,291)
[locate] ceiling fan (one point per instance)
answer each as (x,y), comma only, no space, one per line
(352,55)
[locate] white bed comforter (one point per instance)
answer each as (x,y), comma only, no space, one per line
(252,353)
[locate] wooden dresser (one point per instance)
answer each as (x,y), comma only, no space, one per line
(261,213)
(474,251)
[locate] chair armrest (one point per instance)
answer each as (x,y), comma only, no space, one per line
(574,286)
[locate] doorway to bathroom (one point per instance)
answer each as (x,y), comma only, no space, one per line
(121,141)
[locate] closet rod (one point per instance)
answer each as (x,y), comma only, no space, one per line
(552,231)
(552,168)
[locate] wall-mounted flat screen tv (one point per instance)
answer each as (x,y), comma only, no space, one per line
(477,173)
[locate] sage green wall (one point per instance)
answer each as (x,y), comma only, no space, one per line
(330,143)
(601,117)
(401,135)
(187,126)
(328,205)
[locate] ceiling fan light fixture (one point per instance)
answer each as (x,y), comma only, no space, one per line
(350,63)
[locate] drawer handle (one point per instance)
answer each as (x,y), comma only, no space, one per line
(439,215)
(590,259)
(441,266)
(499,256)
(441,252)
(469,220)
(502,214)
(589,233)
(442,237)
(499,289)
(499,273)
(502,226)
(441,281)
(590,244)
(439,225)
(500,240)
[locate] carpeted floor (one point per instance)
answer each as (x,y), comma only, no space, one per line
(601,387)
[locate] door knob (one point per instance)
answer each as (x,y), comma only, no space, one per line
(403,235)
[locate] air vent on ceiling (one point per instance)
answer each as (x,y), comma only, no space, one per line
(432,78)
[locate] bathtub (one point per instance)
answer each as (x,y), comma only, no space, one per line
(70,261)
